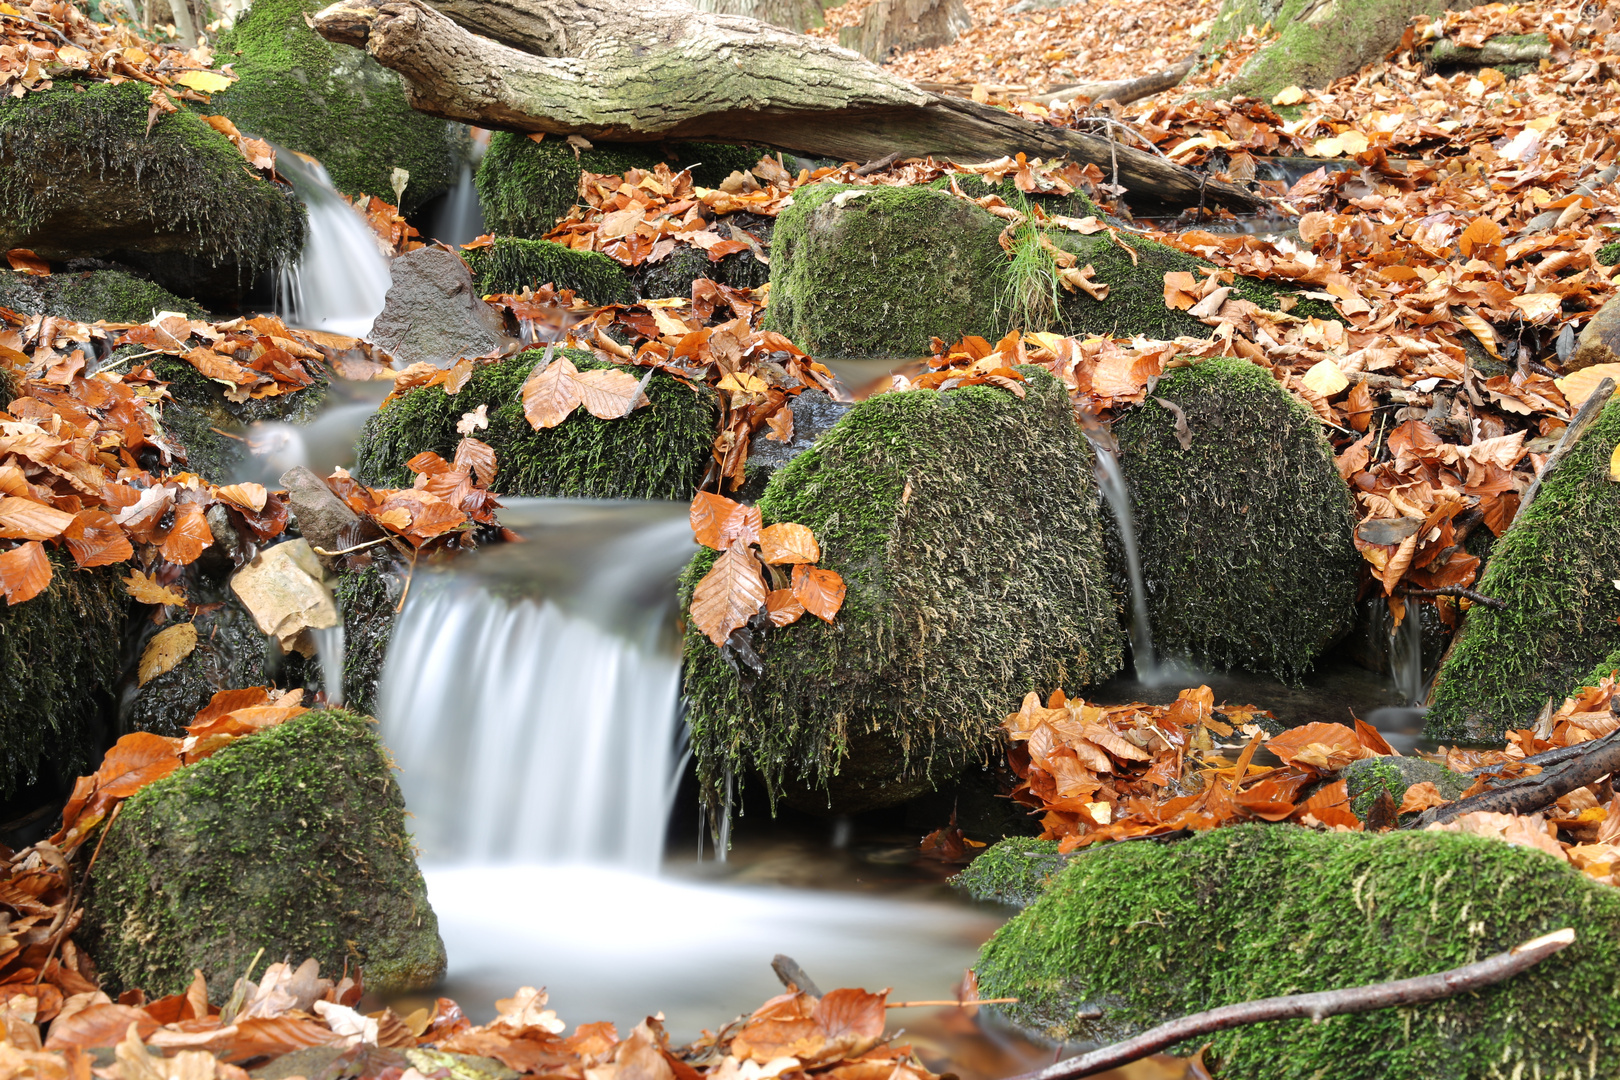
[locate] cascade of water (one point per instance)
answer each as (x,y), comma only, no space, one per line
(1111,479)
(461,219)
(329,648)
(1406,657)
(530,695)
(341,277)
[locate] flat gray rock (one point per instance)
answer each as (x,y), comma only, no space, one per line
(433,314)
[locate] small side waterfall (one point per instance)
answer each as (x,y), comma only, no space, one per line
(530,694)
(461,219)
(1111,479)
(342,277)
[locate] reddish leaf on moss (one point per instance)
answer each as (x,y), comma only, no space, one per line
(24,572)
(820,591)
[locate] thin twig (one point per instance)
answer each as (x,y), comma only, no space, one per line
(1316,1007)
(1462,591)
(410,576)
(1527,794)
(75,894)
(347,550)
(948,1004)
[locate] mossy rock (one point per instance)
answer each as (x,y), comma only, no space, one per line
(81,177)
(188,386)
(292,840)
(1246,536)
(59,659)
(965,526)
(512,264)
(657,452)
(1609,254)
(336,104)
(1511,54)
(92,295)
(1016,871)
(674,275)
(1369,779)
(1555,569)
(366,598)
(878,271)
(526,186)
(1144,932)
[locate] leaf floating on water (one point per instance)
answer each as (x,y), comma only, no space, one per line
(820,591)
(167,648)
(788,543)
(24,572)
(729,594)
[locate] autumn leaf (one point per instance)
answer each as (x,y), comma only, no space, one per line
(1325,378)
(1328,747)
(25,519)
(1480,232)
(478,456)
(609,393)
(1481,330)
(788,543)
(1181,290)
(94,539)
(783,607)
(551,393)
(24,572)
(167,648)
(209,82)
(477,420)
(729,594)
(719,522)
(243,496)
(1359,407)
(780,424)
(820,591)
(189,535)
(147,591)
(25,261)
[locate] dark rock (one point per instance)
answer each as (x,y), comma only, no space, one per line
(321,517)
(433,314)
(813,413)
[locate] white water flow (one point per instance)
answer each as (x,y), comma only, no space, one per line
(530,695)
(1111,479)
(461,219)
(341,277)
(329,650)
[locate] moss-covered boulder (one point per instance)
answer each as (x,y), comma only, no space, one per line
(1143,932)
(81,177)
(336,104)
(525,186)
(366,598)
(210,428)
(512,264)
(1016,871)
(59,661)
(674,275)
(657,452)
(90,295)
(292,840)
(1246,534)
(1555,570)
(878,271)
(965,526)
(1367,782)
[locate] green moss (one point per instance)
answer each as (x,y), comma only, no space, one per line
(526,186)
(366,598)
(334,103)
(69,158)
(1246,535)
(657,452)
(1368,779)
(965,528)
(1609,254)
(188,386)
(211,439)
(1015,871)
(91,295)
(292,840)
(1554,569)
(511,264)
(974,186)
(1144,932)
(59,659)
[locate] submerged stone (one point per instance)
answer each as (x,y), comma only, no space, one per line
(657,452)
(59,661)
(965,526)
(292,840)
(336,104)
(1554,568)
(81,177)
(512,264)
(1130,935)
(1246,534)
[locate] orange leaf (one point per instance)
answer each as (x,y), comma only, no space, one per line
(189,536)
(25,519)
(820,591)
(27,262)
(709,512)
(729,594)
(783,607)
(551,394)
(1480,232)
(1359,406)
(478,456)
(243,496)
(94,539)
(147,591)
(851,1012)
(1373,740)
(24,572)
(788,543)
(228,701)
(781,424)
(610,393)
(1331,806)
(428,463)
(1422,796)
(1327,747)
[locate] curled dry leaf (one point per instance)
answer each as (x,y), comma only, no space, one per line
(167,648)
(787,543)
(243,496)
(729,594)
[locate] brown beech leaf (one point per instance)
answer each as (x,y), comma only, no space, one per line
(783,607)
(1328,747)
(25,261)
(94,539)
(780,423)
(25,519)
(788,543)
(147,591)
(478,456)
(24,572)
(851,1012)
(1480,232)
(741,528)
(729,594)
(243,496)
(189,536)
(167,648)
(610,393)
(820,591)
(1359,406)
(551,394)
(709,512)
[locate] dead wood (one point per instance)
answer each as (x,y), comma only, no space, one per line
(1527,794)
(1123,91)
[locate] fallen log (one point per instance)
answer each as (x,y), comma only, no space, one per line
(1122,91)
(659,70)
(1527,794)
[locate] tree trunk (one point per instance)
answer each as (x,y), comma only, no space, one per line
(656,70)
(795,15)
(904,25)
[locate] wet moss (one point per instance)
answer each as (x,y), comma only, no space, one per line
(80,175)
(674,275)
(366,598)
(1554,569)
(336,104)
(188,386)
(511,264)
(657,452)
(215,448)
(1016,871)
(292,840)
(1246,535)
(1609,254)
(58,666)
(526,186)
(1144,932)
(965,526)
(87,296)
(1369,779)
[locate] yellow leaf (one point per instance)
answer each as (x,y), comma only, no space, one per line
(147,591)
(208,82)
(167,648)
(1481,330)
(7,9)
(1326,378)
(1578,385)
(1290,95)
(742,382)
(1538,306)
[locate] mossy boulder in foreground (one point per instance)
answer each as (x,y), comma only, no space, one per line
(1145,932)
(525,186)
(81,177)
(292,840)
(1555,570)
(336,104)
(87,296)
(59,659)
(1245,535)
(512,264)
(965,526)
(659,451)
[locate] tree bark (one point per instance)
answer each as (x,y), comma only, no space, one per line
(795,15)
(657,70)
(904,25)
